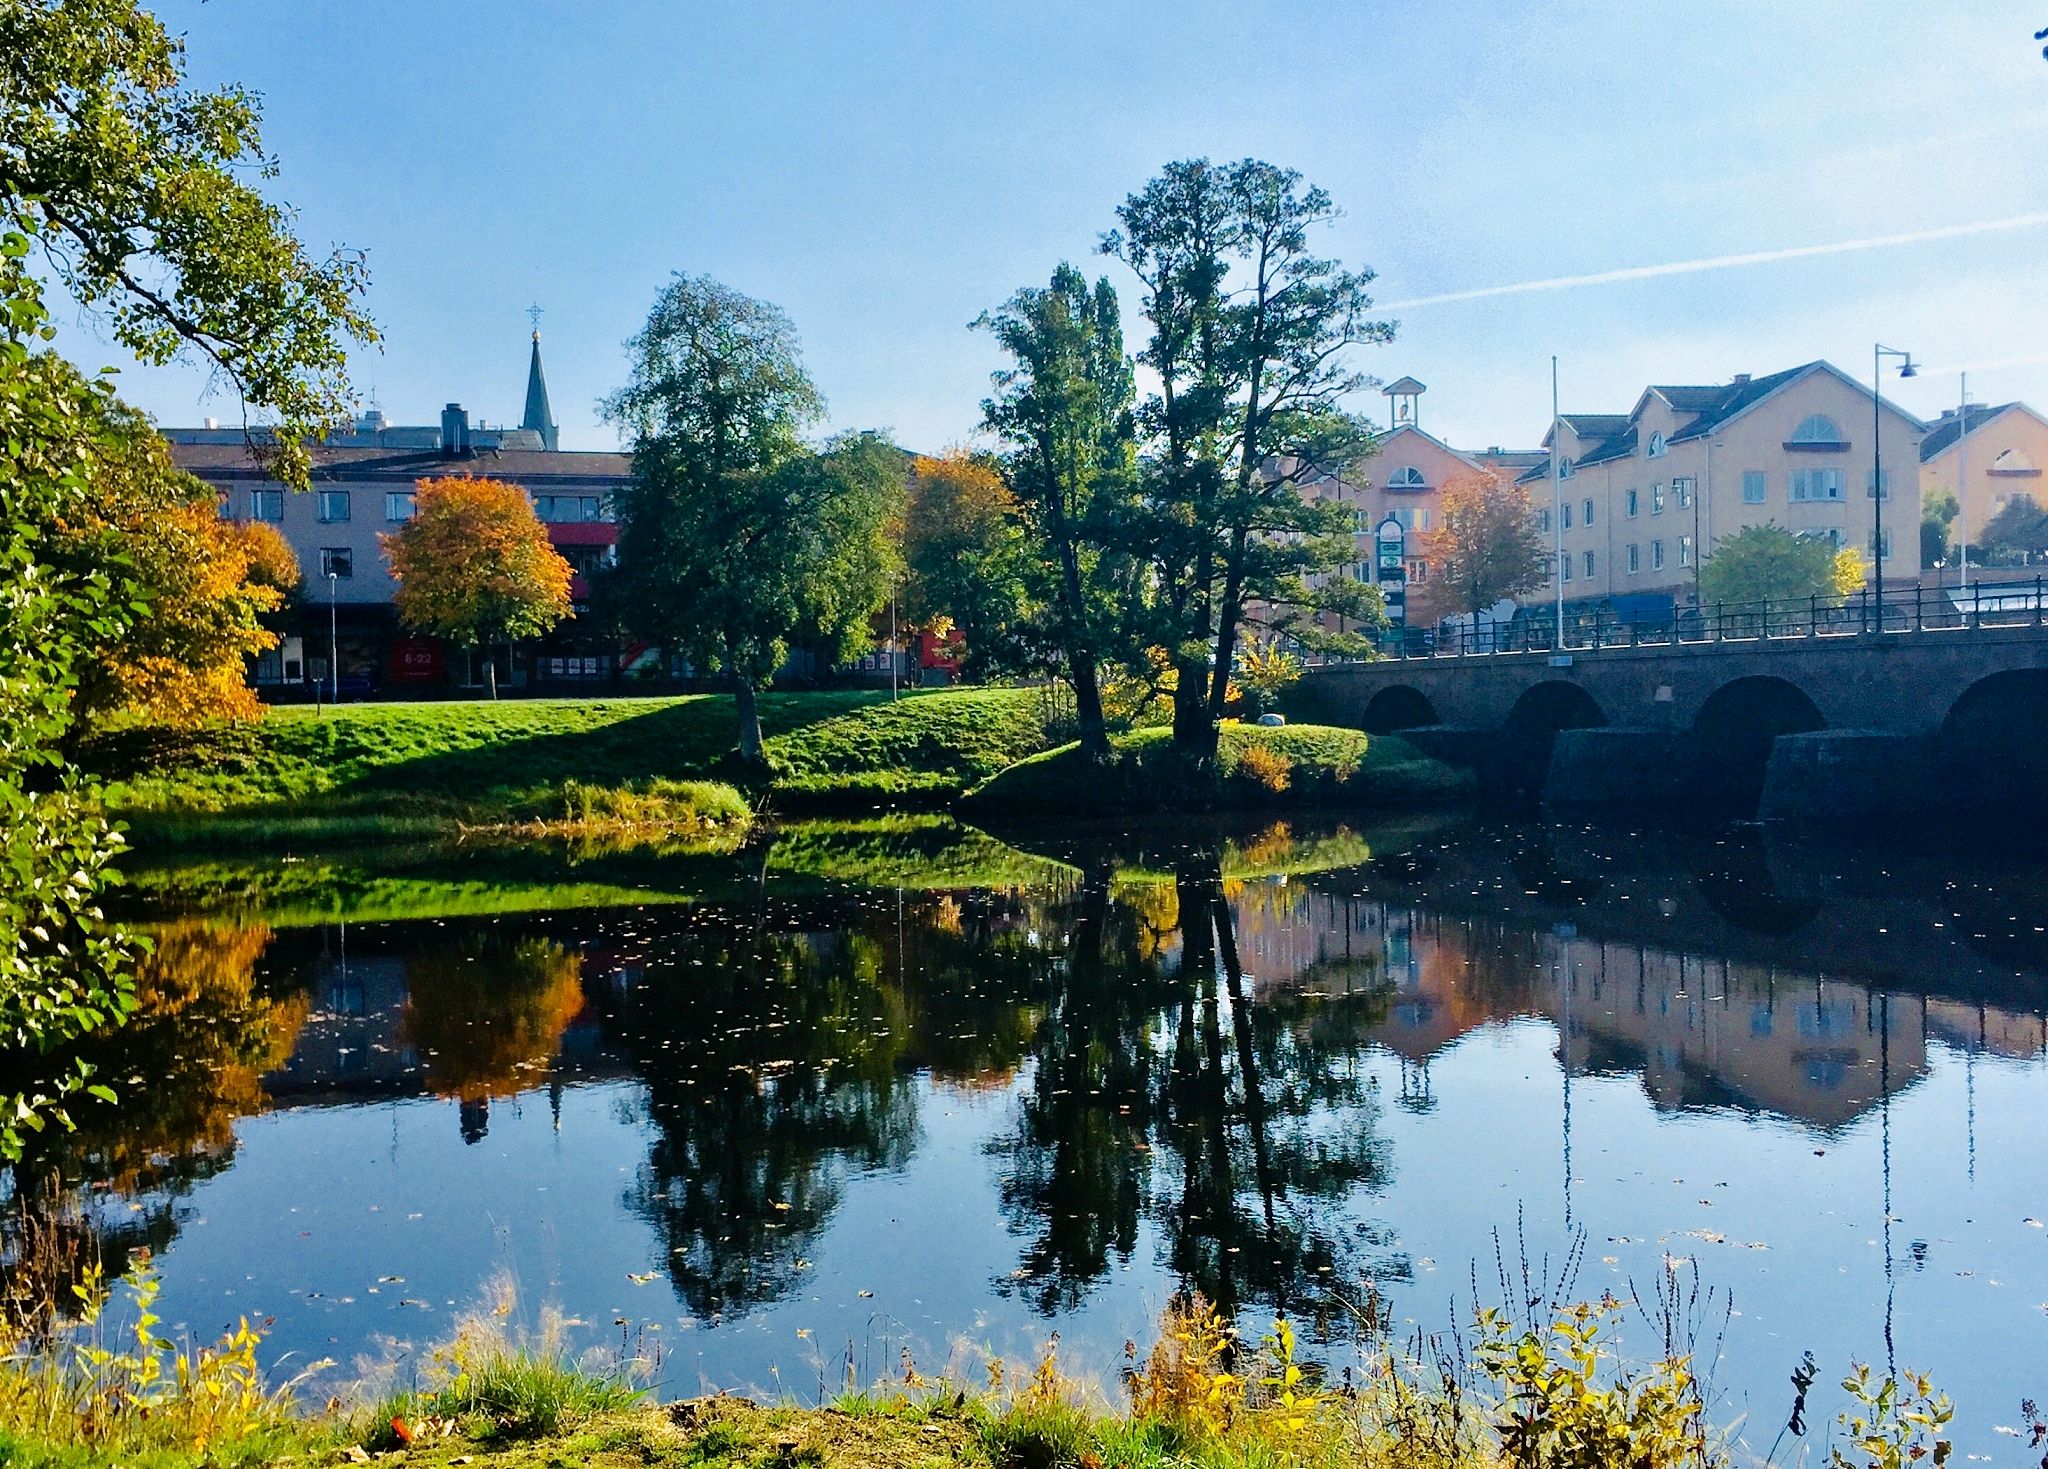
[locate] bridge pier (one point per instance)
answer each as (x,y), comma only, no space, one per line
(1617,768)
(1853,776)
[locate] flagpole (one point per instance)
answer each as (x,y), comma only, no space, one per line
(1963,475)
(1556,504)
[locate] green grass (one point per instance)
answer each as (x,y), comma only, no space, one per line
(1307,766)
(386,769)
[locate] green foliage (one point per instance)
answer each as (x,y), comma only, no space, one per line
(1265,672)
(733,538)
(1306,765)
(1893,1423)
(675,806)
(1250,337)
(965,553)
(2017,535)
(144,193)
(1938,512)
(1770,563)
(1564,1407)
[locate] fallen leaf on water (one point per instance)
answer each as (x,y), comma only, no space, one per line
(641,1279)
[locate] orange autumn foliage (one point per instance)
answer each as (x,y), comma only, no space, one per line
(485,1020)
(474,565)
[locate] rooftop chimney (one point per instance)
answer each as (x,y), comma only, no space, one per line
(1741,379)
(455,431)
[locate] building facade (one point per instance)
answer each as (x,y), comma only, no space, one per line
(1644,496)
(363,482)
(1986,456)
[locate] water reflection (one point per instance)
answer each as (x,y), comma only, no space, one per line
(1184,1058)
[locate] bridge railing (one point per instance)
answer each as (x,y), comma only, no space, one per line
(1894,610)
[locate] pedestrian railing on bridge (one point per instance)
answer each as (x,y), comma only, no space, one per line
(1907,609)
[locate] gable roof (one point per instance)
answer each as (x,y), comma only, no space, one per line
(1739,398)
(1408,428)
(1949,427)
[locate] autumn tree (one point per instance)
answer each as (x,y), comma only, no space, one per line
(1063,411)
(1487,546)
(475,566)
(735,537)
(1251,334)
(964,555)
(1938,512)
(1768,563)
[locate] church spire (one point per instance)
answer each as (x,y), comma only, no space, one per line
(538,414)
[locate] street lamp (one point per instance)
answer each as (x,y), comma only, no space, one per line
(1906,369)
(333,638)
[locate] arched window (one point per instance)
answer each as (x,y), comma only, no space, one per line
(1407,477)
(1817,428)
(2014,461)
(1658,448)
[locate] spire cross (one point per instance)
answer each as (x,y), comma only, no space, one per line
(533,316)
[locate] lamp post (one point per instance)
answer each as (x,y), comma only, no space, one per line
(1556,503)
(1906,369)
(333,639)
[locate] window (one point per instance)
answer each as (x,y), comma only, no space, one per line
(1412,517)
(1684,488)
(223,504)
(1875,488)
(1755,486)
(1407,477)
(333,506)
(1565,511)
(1633,506)
(2013,461)
(1656,555)
(1588,508)
(1543,521)
(583,560)
(1656,499)
(1635,560)
(1816,484)
(337,561)
(1589,565)
(266,505)
(1816,428)
(1567,560)
(1685,550)
(1564,468)
(1658,448)
(1883,541)
(398,504)
(1418,569)
(1832,536)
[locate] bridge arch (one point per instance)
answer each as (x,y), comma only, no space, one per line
(1397,707)
(1531,729)
(1734,731)
(1991,741)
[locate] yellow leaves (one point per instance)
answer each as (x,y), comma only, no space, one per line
(475,564)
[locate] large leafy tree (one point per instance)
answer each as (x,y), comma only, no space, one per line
(1063,412)
(1938,512)
(143,195)
(475,566)
(734,537)
(1251,333)
(1767,563)
(1488,547)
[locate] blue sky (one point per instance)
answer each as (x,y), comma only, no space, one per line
(886,171)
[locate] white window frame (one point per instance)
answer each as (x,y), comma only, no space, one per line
(1807,431)
(396,499)
(261,501)
(1656,555)
(327,562)
(1821,485)
(1635,558)
(329,498)
(1758,480)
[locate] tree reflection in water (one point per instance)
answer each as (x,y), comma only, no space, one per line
(187,1066)
(486,1017)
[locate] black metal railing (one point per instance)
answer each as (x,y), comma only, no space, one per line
(1587,628)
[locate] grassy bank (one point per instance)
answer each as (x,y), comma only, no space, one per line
(1312,766)
(416,769)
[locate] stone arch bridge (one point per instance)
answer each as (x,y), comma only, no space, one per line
(1898,725)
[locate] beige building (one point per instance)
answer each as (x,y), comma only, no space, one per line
(1985,456)
(1646,494)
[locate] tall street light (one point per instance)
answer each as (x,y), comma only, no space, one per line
(1906,369)
(333,639)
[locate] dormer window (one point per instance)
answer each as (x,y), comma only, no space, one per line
(1407,479)
(1564,468)
(2014,462)
(1658,448)
(1817,431)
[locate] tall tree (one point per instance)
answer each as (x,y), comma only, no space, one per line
(1250,337)
(1063,411)
(1488,546)
(1938,511)
(2017,534)
(733,537)
(1766,562)
(474,565)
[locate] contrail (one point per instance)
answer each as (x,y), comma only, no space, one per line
(1725,262)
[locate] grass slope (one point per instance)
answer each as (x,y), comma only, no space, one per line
(398,769)
(1304,765)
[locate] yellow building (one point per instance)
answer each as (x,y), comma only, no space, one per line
(1644,495)
(1985,456)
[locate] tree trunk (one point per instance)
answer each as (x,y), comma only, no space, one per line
(1094,730)
(750,722)
(491,672)
(1194,733)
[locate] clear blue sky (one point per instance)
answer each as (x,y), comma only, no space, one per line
(886,171)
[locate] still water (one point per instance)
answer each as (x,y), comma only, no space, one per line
(896,1087)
